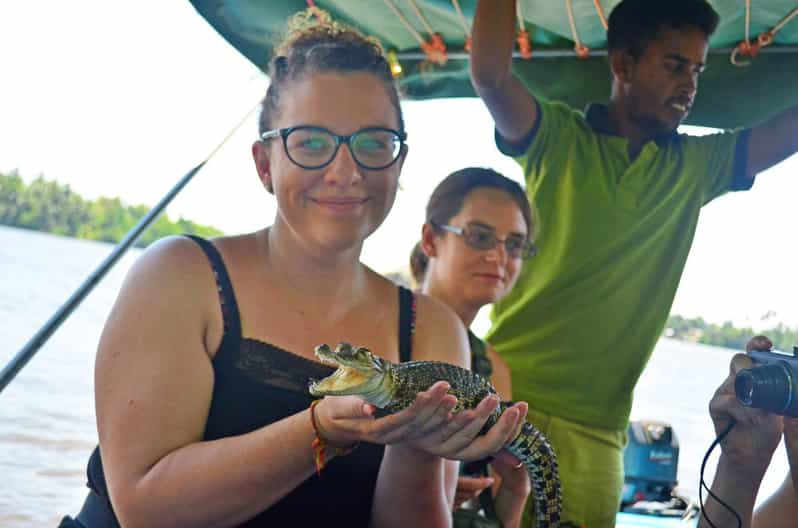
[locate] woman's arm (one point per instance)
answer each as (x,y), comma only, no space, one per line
(469,488)
(154,383)
(512,487)
(415,487)
(407,474)
(512,106)
(745,452)
(780,510)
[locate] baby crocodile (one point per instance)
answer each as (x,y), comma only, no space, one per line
(392,387)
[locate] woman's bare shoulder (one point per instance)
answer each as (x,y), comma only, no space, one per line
(174,258)
(182,259)
(173,278)
(440,334)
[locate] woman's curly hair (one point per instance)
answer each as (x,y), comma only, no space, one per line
(316,24)
(317,43)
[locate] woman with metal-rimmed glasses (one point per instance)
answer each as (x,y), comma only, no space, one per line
(483,238)
(478,232)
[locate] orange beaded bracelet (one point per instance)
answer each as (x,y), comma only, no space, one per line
(320,444)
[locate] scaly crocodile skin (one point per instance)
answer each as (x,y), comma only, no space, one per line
(405,380)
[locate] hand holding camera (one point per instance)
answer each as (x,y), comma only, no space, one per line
(772,384)
(750,398)
(750,445)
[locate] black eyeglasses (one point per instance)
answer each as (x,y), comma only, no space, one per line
(484,238)
(312,147)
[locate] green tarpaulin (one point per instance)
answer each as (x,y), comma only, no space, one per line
(730,95)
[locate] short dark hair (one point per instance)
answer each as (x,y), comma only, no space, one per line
(633,24)
(449,196)
(316,43)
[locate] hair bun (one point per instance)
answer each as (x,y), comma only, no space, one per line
(313,26)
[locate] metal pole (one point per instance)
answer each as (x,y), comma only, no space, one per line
(558,53)
(43,334)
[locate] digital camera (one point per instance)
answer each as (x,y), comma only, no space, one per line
(772,384)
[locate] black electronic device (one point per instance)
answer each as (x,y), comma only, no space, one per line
(772,384)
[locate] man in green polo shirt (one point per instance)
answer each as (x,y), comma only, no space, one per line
(618,192)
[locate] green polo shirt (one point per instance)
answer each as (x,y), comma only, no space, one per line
(614,234)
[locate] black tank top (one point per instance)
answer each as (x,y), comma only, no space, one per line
(256,384)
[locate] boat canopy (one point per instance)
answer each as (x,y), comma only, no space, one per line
(564,57)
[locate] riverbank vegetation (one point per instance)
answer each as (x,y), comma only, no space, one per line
(727,335)
(48,206)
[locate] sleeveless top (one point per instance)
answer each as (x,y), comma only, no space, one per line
(480,362)
(256,384)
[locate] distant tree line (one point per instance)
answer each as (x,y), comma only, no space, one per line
(726,335)
(48,206)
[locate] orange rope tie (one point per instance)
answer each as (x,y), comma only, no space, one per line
(581,50)
(749,49)
(431,49)
(745,47)
(524,44)
(523,40)
(435,49)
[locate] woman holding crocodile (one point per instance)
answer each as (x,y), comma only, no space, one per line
(477,232)
(203,413)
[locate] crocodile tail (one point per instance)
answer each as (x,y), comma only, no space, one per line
(535,451)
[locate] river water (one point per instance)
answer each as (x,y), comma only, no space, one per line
(47,426)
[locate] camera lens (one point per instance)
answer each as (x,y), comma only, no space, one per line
(769,387)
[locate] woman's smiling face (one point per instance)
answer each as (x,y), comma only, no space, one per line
(339,205)
(480,276)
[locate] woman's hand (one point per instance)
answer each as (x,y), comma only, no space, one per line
(427,425)
(751,443)
(745,451)
(513,490)
(346,420)
(459,438)
(513,475)
(469,488)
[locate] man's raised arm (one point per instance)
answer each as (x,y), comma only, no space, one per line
(513,108)
(773,141)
